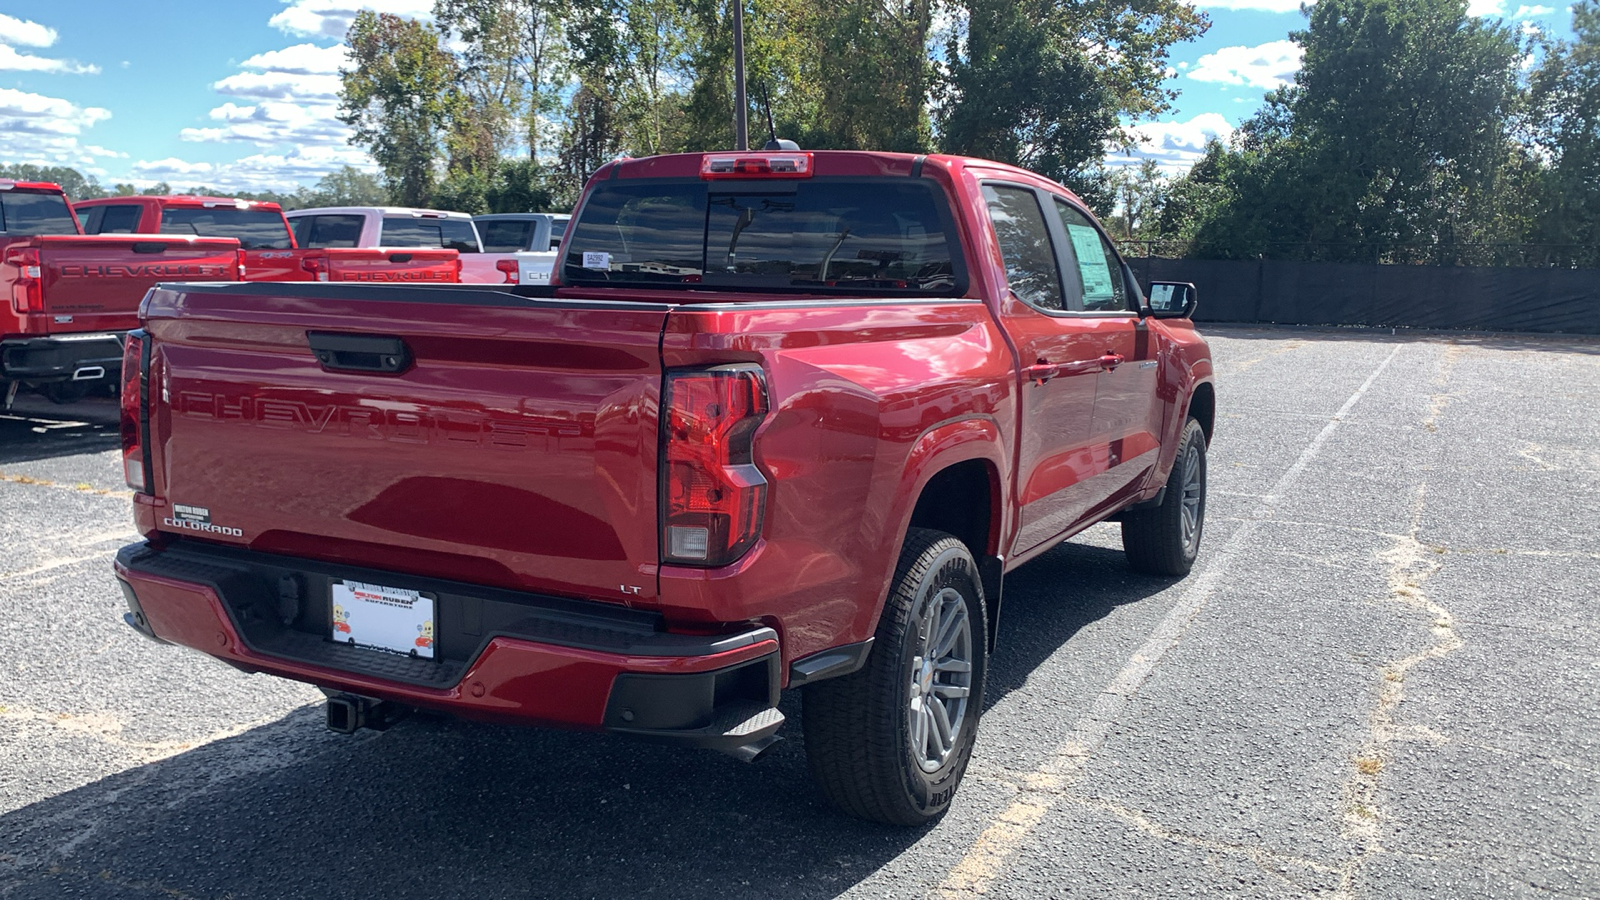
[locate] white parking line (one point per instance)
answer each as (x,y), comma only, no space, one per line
(1040,789)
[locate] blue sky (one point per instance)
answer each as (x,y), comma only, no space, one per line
(241,94)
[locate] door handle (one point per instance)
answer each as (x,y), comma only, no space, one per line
(1041,371)
(1111,360)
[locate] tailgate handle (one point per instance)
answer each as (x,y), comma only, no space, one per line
(359,352)
(399,257)
(149,247)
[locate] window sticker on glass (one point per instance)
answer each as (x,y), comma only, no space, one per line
(596,260)
(1092,264)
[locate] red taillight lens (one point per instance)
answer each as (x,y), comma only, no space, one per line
(132,409)
(27,291)
(317,266)
(712,495)
(510,267)
(757,165)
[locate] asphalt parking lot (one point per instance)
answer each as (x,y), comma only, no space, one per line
(1382,680)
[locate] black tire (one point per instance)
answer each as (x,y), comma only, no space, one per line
(1156,539)
(859,728)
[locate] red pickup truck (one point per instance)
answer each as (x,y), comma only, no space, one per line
(784,420)
(269,250)
(66,299)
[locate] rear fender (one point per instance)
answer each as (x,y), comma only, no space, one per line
(939,448)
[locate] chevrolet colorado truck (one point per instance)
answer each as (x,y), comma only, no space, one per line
(394,228)
(269,252)
(533,237)
(67,299)
(785,420)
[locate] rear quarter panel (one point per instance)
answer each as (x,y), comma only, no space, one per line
(867,402)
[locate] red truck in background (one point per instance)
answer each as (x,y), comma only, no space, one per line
(67,299)
(269,251)
(784,420)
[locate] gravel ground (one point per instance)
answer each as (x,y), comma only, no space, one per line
(1382,680)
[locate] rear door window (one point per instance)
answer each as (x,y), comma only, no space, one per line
(1025,246)
(118,218)
(448,234)
(320,232)
(26,213)
(504,235)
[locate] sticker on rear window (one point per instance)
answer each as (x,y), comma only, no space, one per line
(596,260)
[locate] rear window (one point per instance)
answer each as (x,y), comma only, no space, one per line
(820,235)
(505,236)
(26,213)
(321,232)
(256,229)
(448,234)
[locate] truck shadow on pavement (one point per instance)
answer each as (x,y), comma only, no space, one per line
(37,429)
(441,808)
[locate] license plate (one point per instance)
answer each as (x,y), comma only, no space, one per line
(383,618)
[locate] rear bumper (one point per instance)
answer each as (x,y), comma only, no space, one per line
(65,357)
(503,656)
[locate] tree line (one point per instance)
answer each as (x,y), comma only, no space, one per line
(1413,133)
(346,186)
(511,104)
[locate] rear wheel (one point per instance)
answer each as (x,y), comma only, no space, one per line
(891,741)
(1164,540)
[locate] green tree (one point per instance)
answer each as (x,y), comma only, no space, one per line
(1046,85)
(514,60)
(76,185)
(1565,123)
(1393,136)
(401,97)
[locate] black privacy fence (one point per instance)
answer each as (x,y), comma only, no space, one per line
(1547,300)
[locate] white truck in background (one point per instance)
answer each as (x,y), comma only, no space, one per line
(534,237)
(397,227)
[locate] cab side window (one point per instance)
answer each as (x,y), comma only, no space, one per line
(1025,246)
(1093,262)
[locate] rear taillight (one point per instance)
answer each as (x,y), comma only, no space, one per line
(508,266)
(317,266)
(712,495)
(27,291)
(135,422)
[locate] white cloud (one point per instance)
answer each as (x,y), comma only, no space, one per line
(332,18)
(259,172)
(301,59)
(1276,6)
(1173,145)
(16,32)
(1524,12)
(292,97)
(1270,65)
(45,130)
(23,33)
(320,89)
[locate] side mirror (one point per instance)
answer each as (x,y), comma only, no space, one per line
(1172,300)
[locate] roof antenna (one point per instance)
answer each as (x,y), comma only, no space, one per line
(773,142)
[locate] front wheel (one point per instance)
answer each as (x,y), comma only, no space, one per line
(1164,540)
(891,741)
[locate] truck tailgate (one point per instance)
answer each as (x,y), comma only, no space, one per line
(402,266)
(515,446)
(95,282)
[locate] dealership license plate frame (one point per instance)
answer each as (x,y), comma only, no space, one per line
(383,618)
